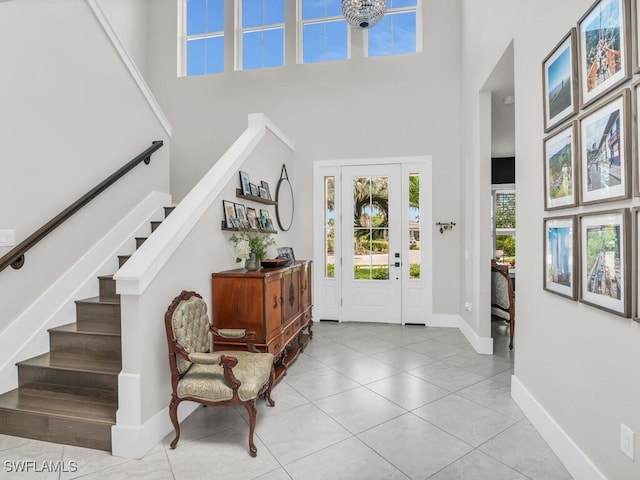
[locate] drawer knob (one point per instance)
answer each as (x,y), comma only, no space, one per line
(275,301)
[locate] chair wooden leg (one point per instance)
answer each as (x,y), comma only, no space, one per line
(511,324)
(251,409)
(173,415)
(267,394)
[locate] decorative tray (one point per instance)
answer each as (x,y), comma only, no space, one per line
(275,262)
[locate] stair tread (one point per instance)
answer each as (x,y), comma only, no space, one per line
(69,405)
(98,301)
(74,362)
(105,277)
(73,328)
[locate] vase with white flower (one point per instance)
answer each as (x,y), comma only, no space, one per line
(251,247)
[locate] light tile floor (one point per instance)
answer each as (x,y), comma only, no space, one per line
(364,401)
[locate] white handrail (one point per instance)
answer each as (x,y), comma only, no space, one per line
(140,270)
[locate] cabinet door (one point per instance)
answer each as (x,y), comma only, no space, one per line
(273,306)
(305,286)
(291,293)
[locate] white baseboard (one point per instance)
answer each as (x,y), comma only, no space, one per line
(130,441)
(483,345)
(27,335)
(573,458)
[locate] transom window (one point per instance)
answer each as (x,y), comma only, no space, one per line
(324,31)
(397,32)
(205,37)
(262,33)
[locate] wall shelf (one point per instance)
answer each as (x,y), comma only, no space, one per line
(256,230)
(254,198)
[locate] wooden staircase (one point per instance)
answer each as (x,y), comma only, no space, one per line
(70,394)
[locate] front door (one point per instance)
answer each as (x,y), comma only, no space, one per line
(371,243)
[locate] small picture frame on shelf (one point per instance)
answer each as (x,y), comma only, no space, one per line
(229,213)
(560,256)
(244,183)
(241,213)
(252,217)
(254,190)
(235,223)
(265,185)
(604,261)
(286,252)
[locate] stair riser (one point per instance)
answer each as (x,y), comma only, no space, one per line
(154,225)
(97,312)
(122,259)
(108,290)
(99,385)
(58,430)
(96,346)
(139,242)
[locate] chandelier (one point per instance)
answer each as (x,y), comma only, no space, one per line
(363,13)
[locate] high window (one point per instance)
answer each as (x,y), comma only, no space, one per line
(504,222)
(262,39)
(324,31)
(397,32)
(204,41)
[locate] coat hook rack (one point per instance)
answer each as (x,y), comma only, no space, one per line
(445,226)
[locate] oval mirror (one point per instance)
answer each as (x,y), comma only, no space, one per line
(284,197)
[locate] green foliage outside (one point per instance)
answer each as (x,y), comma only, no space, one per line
(414,271)
(379,273)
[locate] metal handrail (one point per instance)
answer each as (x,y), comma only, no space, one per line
(15,256)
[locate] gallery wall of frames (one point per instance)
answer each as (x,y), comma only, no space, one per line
(591,103)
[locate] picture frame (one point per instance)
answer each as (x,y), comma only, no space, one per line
(244,183)
(560,168)
(241,213)
(635,35)
(635,129)
(635,214)
(229,209)
(559,258)
(263,193)
(254,190)
(605,261)
(605,154)
(252,217)
(286,252)
(560,82)
(604,46)
(265,185)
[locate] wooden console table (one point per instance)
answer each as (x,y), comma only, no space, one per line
(273,302)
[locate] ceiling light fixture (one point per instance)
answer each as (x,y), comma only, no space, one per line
(363,13)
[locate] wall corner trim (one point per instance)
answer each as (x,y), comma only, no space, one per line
(483,345)
(130,65)
(573,458)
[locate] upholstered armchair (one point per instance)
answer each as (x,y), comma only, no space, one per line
(213,378)
(502,299)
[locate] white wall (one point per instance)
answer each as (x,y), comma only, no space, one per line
(579,363)
(365,107)
(71,116)
(129,19)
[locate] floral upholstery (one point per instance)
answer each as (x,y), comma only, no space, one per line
(231,332)
(500,298)
(205,379)
(191,328)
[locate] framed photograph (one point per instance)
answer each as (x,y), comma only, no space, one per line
(265,185)
(635,213)
(263,193)
(286,252)
(635,37)
(560,172)
(605,154)
(604,45)
(244,183)
(254,190)
(604,261)
(635,110)
(560,256)
(560,82)
(252,217)
(264,213)
(229,213)
(241,213)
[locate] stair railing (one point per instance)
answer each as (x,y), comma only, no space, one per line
(15,256)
